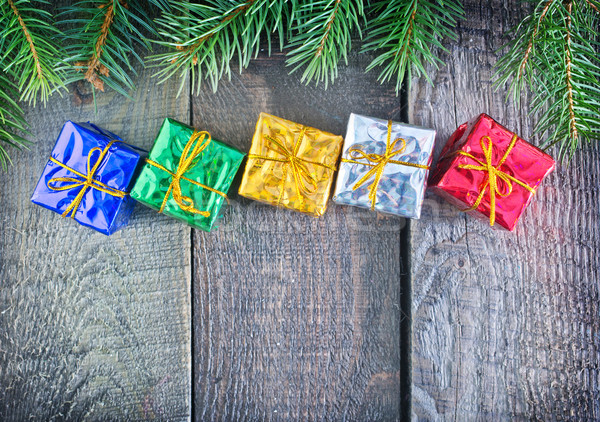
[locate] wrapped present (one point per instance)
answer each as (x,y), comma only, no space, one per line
(490,172)
(187,175)
(290,165)
(88,177)
(384,166)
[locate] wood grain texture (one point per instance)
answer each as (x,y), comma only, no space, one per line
(505,325)
(93,327)
(296,318)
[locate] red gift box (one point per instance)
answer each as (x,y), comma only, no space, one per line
(488,171)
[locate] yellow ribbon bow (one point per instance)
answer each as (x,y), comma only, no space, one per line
(196,144)
(304,180)
(378,163)
(493,173)
(86,181)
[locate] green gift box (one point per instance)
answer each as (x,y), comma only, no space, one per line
(187,175)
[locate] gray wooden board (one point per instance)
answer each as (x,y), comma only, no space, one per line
(505,325)
(91,326)
(296,318)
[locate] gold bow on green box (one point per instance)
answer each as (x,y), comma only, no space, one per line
(187,175)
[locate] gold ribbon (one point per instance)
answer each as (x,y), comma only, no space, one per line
(378,163)
(304,180)
(196,144)
(493,173)
(86,181)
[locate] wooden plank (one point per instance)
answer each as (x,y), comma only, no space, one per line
(296,317)
(91,326)
(504,324)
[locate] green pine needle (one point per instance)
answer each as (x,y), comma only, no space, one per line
(322,37)
(407,34)
(29,54)
(554,53)
(12,121)
(102,40)
(204,38)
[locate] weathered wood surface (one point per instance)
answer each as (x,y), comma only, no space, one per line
(93,327)
(505,325)
(296,318)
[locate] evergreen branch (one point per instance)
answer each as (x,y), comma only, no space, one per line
(93,65)
(532,38)
(569,75)
(408,33)
(27,35)
(103,37)
(593,6)
(190,49)
(204,38)
(521,49)
(12,121)
(322,37)
(28,53)
(554,53)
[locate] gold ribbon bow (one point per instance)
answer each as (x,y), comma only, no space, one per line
(304,180)
(493,174)
(196,144)
(378,163)
(86,181)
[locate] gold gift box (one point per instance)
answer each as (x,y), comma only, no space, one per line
(290,165)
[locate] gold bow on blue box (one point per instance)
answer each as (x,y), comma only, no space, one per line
(88,176)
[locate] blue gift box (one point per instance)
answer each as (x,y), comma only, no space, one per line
(88,177)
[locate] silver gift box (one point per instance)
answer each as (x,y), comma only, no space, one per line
(401,188)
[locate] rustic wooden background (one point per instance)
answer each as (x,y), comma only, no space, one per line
(280,316)
(504,325)
(92,326)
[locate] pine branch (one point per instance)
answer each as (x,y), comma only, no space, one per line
(322,37)
(103,37)
(28,53)
(93,65)
(204,38)
(515,65)
(569,73)
(409,34)
(554,53)
(12,121)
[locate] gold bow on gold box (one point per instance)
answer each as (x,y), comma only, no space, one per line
(290,165)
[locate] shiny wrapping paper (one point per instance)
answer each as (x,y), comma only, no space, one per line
(401,188)
(99,210)
(273,180)
(462,187)
(215,167)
